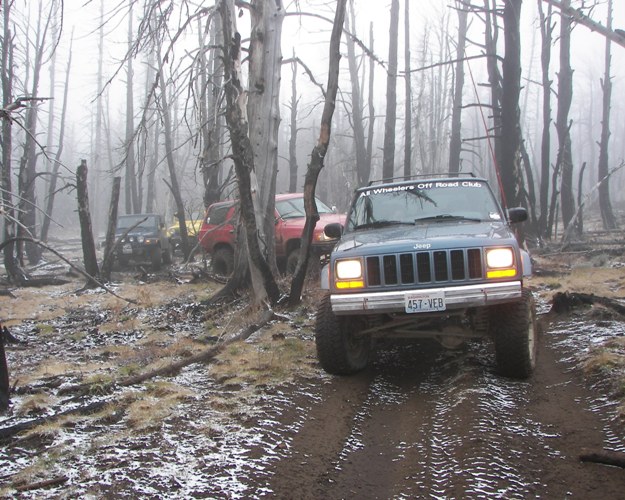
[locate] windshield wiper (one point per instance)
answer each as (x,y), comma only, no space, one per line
(447,217)
(382,223)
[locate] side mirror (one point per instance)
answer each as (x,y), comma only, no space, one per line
(517,214)
(333,230)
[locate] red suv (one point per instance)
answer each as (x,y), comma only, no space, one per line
(218,235)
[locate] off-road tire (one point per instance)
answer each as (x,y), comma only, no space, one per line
(156,258)
(339,350)
(514,330)
(222,262)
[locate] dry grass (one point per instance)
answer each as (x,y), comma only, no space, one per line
(273,356)
(154,406)
(607,363)
(579,275)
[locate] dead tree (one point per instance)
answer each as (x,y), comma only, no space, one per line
(4,375)
(455,143)
(363,166)
(565,97)
(263,109)
(11,264)
(510,161)
(408,95)
(130,186)
(388,161)
(293,128)
(84,215)
(318,154)
(28,163)
(546,34)
(263,281)
(107,262)
(605,205)
(54,172)
(210,117)
(165,113)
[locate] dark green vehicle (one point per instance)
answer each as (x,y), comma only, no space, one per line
(142,239)
(427,258)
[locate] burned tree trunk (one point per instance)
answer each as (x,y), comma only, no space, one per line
(455,144)
(84,215)
(4,375)
(54,174)
(293,129)
(408,94)
(388,162)
(243,156)
(511,175)
(546,31)
(565,97)
(318,155)
(107,263)
(15,272)
(607,214)
(363,168)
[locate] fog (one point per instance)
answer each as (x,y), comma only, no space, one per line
(306,37)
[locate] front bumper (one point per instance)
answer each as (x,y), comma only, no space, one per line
(456,297)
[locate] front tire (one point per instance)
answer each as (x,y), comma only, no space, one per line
(340,350)
(513,327)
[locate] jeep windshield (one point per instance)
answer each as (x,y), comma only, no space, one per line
(294,208)
(423,202)
(127,221)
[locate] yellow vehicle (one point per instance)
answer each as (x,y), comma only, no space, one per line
(193,229)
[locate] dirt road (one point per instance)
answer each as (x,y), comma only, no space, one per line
(413,427)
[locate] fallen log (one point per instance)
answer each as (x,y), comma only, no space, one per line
(8,432)
(42,484)
(605,457)
(564,302)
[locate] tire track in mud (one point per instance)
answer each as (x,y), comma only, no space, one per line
(429,423)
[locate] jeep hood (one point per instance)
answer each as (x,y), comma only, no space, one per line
(424,236)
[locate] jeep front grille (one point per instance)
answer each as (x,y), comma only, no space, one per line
(437,266)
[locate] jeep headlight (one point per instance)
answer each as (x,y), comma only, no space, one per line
(500,263)
(140,239)
(349,273)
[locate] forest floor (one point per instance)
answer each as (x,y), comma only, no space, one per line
(259,418)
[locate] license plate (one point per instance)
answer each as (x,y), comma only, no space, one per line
(127,249)
(424,302)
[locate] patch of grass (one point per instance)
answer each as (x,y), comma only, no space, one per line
(149,411)
(608,361)
(45,328)
(272,358)
(78,336)
(129,370)
(35,404)
(99,383)
(40,468)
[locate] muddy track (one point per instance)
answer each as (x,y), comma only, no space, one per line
(424,423)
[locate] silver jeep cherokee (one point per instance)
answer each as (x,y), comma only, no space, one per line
(427,258)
